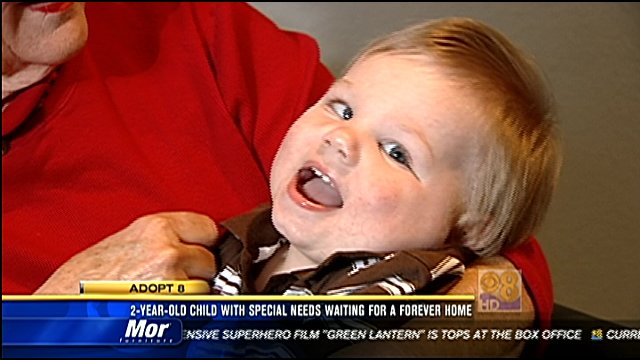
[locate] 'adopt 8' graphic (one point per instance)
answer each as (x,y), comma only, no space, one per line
(500,290)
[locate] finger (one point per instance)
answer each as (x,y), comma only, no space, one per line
(197,262)
(192,228)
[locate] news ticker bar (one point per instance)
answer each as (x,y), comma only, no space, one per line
(177,320)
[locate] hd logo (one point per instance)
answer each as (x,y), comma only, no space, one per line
(500,290)
(152,331)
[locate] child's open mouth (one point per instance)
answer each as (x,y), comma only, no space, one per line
(318,188)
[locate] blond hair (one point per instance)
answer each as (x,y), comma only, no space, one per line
(511,184)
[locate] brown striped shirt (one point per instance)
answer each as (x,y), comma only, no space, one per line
(251,240)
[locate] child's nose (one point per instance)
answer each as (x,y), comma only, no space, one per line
(340,145)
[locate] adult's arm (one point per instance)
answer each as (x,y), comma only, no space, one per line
(537,304)
(456,348)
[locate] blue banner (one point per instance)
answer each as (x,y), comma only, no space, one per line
(197,326)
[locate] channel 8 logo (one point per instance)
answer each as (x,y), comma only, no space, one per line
(500,290)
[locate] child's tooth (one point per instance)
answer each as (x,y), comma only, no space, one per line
(325,178)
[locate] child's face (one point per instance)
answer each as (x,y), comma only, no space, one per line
(379,163)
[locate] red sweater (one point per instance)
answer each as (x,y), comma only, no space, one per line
(170,106)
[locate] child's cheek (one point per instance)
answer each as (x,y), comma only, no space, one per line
(380,194)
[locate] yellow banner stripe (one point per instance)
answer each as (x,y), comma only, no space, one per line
(148,287)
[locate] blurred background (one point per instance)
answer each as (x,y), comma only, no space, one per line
(590,54)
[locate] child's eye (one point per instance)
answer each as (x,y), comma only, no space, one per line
(397,153)
(343,110)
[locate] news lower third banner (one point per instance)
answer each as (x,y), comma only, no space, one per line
(196,325)
(171,319)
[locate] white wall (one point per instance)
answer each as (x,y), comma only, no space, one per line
(590,53)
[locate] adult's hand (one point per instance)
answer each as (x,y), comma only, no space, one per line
(163,246)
